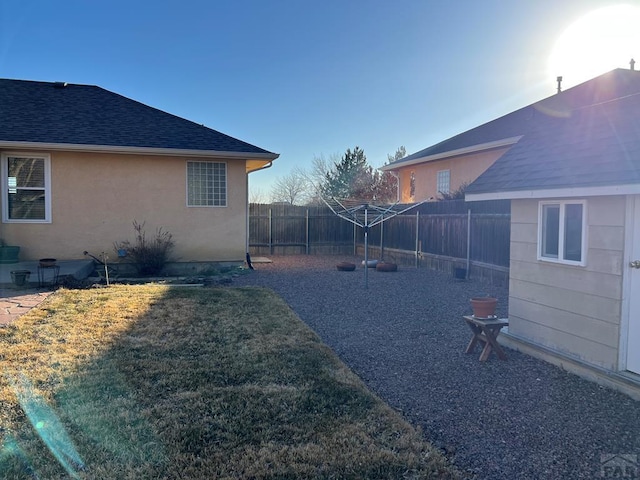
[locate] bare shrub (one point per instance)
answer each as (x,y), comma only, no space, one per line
(148,255)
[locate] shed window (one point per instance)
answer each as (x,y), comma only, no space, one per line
(561,232)
(26,195)
(206,184)
(443,181)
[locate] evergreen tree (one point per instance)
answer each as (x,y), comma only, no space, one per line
(351,178)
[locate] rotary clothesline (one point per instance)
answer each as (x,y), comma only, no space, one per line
(366,215)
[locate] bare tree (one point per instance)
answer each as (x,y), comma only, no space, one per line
(256,195)
(294,188)
(316,176)
(319,168)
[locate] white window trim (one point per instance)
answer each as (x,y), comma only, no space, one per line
(448,172)
(5,187)
(583,246)
(226,179)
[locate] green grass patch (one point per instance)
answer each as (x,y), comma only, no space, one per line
(149,382)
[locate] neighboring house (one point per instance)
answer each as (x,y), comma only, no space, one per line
(446,166)
(79,164)
(574,186)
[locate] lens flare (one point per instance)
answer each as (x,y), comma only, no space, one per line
(47,425)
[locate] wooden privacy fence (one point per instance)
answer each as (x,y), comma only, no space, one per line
(440,235)
(292,229)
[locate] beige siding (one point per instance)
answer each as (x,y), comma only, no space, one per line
(606,310)
(589,351)
(96,197)
(606,237)
(574,310)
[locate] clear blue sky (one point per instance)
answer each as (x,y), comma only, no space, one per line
(296,77)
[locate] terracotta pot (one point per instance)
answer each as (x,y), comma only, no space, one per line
(346,266)
(47,262)
(484,307)
(387,267)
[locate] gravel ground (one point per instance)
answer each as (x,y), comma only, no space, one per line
(404,336)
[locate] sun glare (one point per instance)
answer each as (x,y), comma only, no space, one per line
(596,43)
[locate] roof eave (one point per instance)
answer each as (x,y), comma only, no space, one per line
(566,192)
(506,142)
(255,165)
(268,156)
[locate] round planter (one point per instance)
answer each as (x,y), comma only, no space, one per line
(484,307)
(346,266)
(48,262)
(387,267)
(20,277)
(9,254)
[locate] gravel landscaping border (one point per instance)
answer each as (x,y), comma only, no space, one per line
(405,337)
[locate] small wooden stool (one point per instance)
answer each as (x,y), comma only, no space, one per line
(486,331)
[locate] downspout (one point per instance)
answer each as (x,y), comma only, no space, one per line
(247,256)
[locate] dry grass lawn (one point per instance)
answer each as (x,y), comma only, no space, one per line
(150,382)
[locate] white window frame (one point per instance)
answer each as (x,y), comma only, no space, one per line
(441,176)
(4,184)
(226,184)
(562,204)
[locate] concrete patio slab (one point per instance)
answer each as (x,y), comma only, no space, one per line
(78,269)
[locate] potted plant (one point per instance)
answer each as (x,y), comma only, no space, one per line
(20,277)
(484,307)
(8,253)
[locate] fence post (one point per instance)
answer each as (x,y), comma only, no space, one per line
(468,241)
(307,232)
(270,233)
(417,239)
(382,241)
(355,247)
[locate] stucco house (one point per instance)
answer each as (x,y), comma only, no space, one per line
(443,168)
(80,163)
(574,185)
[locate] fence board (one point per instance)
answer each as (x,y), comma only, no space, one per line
(441,229)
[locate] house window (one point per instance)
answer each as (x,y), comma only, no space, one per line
(206,184)
(443,181)
(412,185)
(26,188)
(561,232)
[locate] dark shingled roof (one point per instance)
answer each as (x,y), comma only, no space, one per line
(614,84)
(598,145)
(45,112)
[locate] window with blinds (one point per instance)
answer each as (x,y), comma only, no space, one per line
(25,182)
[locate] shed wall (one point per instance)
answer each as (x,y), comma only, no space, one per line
(571,309)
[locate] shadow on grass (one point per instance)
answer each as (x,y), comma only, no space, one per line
(199,383)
